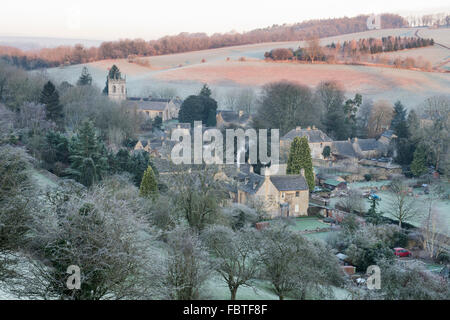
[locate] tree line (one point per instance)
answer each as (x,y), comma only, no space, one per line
(314,52)
(184,42)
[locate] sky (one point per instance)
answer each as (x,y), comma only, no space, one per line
(150,19)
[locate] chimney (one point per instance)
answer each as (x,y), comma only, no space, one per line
(246,180)
(251,169)
(314,127)
(302,172)
(298,128)
(241,113)
(309,128)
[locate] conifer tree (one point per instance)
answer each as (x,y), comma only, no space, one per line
(85,78)
(374,216)
(399,123)
(418,165)
(88,156)
(149,186)
(206,91)
(300,158)
(50,98)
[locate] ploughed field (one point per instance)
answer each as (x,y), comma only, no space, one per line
(226,69)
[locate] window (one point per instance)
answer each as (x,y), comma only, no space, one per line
(282,195)
(114,89)
(297,194)
(296,208)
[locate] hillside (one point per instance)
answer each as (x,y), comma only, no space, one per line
(223,70)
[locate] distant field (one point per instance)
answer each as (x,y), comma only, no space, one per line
(222,70)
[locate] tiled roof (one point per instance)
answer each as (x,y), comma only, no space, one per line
(314,135)
(289,182)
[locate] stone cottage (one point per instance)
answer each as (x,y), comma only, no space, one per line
(286,195)
(317,140)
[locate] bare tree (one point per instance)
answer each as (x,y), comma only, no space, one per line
(402,205)
(293,265)
(197,195)
(313,49)
(437,109)
(434,228)
(353,202)
(235,255)
(380,117)
(188,264)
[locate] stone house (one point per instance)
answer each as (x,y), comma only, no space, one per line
(367,148)
(317,140)
(356,148)
(167,109)
(286,195)
(343,150)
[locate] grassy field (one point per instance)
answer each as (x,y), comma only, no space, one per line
(442,206)
(307,224)
(184,73)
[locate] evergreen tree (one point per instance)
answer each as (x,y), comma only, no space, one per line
(373,215)
(300,158)
(85,78)
(157,122)
(399,123)
(56,150)
(149,185)
(198,108)
(206,91)
(50,98)
(419,163)
(88,156)
(407,145)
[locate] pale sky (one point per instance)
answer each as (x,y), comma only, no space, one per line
(150,19)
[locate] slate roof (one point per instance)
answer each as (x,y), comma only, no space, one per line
(314,135)
(343,149)
(367,144)
(153,103)
(250,183)
(289,182)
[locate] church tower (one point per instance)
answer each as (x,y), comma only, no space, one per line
(117,88)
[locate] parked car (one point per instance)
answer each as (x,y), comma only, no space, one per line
(402,252)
